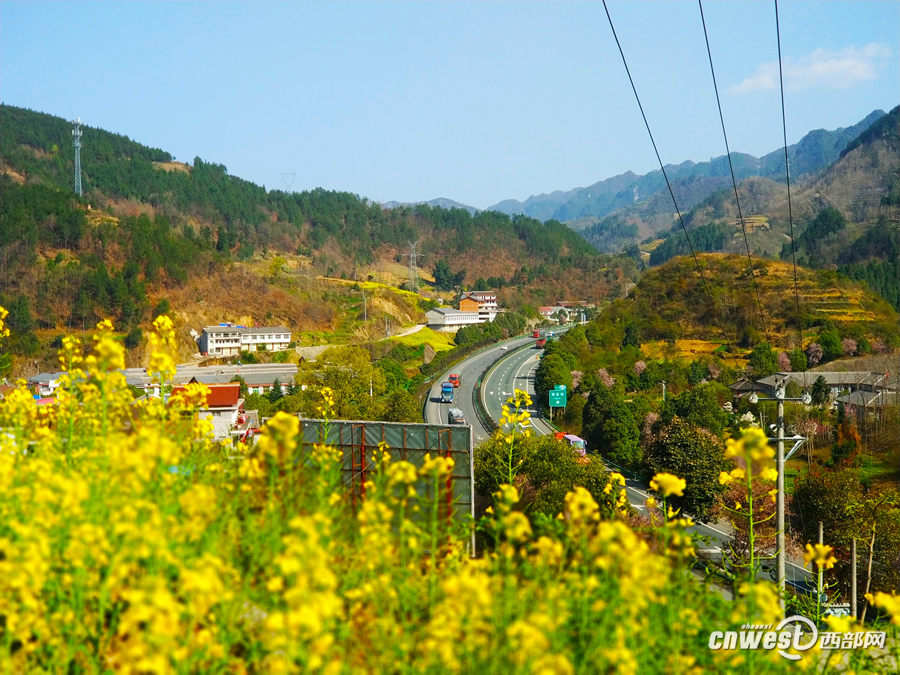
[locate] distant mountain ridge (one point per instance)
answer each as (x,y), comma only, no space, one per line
(814,152)
(443,202)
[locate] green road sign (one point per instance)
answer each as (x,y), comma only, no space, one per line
(558,398)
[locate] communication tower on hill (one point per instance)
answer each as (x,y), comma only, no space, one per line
(413,267)
(76,141)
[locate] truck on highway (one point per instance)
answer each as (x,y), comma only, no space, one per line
(454,380)
(446,392)
(540,343)
(536,333)
(455,416)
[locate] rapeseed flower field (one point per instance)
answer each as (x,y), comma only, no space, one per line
(131,543)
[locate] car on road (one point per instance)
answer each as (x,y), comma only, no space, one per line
(454,380)
(502,346)
(455,416)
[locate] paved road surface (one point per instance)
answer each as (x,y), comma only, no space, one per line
(469,370)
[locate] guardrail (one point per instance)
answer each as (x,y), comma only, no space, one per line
(612,465)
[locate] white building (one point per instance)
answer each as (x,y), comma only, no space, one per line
(45,384)
(449,319)
(230,340)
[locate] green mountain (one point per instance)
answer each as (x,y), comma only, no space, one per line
(846,217)
(671,303)
(150,229)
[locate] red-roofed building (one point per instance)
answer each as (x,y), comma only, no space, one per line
(224,408)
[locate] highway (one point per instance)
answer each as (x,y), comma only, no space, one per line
(516,371)
(469,370)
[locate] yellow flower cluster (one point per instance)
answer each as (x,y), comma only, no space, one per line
(4,331)
(889,602)
(517,417)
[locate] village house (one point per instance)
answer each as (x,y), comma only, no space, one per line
(45,385)
(259,377)
(225,409)
(482,302)
(837,382)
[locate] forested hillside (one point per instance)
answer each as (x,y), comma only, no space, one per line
(670,303)
(149,228)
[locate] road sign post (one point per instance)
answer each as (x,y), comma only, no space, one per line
(557,397)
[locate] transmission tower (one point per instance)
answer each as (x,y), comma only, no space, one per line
(76,141)
(413,266)
(284,179)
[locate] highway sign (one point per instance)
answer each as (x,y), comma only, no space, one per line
(558,398)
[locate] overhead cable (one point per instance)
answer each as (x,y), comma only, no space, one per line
(668,184)
(737,199)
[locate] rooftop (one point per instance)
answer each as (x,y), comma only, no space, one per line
(220,395)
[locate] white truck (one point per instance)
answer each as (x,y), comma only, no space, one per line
(455,416)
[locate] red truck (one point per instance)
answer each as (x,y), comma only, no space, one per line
(454,380)
(540,343)
(536,333)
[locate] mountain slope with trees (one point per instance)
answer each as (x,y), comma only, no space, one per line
(150,229)
(847,218)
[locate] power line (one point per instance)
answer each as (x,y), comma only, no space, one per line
(733,180)
(787,173)
(668,184)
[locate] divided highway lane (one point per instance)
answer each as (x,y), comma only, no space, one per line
(516,371)
(469,370)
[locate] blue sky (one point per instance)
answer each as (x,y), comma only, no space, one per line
(476,102)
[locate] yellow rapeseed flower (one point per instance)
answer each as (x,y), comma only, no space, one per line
(890,603)
(668,484)
(820,554)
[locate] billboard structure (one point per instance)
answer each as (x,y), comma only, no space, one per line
(358,442)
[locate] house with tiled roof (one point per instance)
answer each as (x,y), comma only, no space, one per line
(224,408)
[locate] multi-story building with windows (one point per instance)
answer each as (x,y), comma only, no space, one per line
(482,302)
(230,340)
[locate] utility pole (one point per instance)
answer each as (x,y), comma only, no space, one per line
(780,460)
(779,536)
(664,390)
(821,542)
(853,609)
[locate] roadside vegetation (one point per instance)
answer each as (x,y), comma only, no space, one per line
(618,404)
(132,544)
